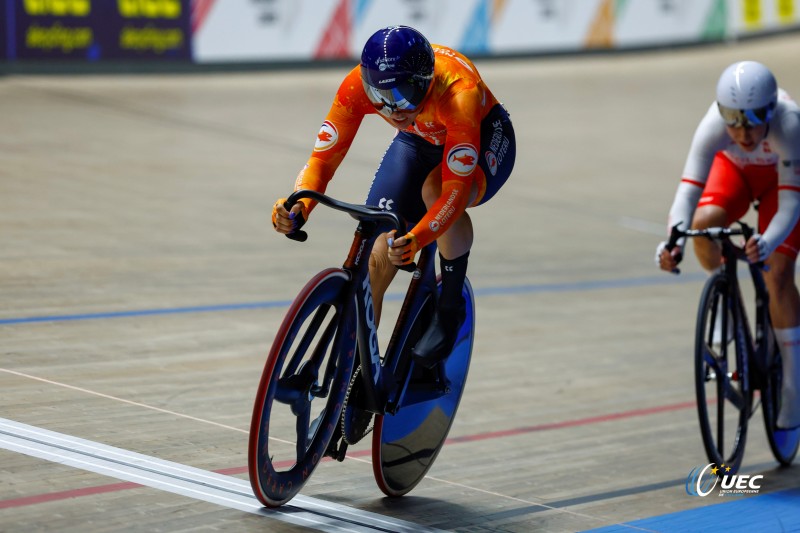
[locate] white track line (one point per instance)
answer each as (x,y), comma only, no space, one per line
(191,482)
(118,399)
(644,226)
(538,502)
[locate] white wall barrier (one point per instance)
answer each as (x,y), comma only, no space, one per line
(299,30)
(264,31)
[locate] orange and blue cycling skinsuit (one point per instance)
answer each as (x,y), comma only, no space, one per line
(461,131)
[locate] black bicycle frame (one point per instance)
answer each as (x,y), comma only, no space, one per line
(760,347)
(367,327)
(741,326)
(764,337)
(384,380)
(396,368)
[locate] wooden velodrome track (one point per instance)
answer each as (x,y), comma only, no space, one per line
(141,285)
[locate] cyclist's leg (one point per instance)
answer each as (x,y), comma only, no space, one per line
(708,252)
(726,198)
(396,187)
(454,245)
(784,301)
(498,152)
(784,304)
(381,274)
(495,163)
(457,240)
(784,309)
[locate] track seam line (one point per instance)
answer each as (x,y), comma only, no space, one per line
(355,457)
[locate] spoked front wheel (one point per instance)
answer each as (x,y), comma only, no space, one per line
(404,445)
(783,442)
(724,396)
(302,388)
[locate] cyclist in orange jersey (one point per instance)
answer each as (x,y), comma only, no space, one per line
(454,148)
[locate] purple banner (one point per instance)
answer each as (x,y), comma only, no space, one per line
(5,30)
(98,29)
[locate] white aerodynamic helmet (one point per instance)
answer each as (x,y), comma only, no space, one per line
(747,94)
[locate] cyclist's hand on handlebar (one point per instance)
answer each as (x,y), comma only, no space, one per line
(668,260)
(288,221)
(756,248)
(402,249)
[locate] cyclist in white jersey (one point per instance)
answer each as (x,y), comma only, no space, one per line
(746,150)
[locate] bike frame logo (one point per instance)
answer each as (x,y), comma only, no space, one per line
(702,481)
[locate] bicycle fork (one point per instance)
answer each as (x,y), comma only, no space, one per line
(733,305)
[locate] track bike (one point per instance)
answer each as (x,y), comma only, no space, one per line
(732,361)
(325,379)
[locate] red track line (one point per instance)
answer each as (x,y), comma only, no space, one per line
(572,423)
(66,494)
(114,487)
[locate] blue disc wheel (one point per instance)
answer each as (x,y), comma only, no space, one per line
(405,444)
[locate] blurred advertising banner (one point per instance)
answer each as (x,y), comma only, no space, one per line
(299,30)
(304,30)
(4,25)
(271,31)
(97,30)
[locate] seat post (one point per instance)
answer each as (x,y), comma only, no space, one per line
(360,249)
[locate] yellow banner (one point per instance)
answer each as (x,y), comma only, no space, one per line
(785,10)
(752,14)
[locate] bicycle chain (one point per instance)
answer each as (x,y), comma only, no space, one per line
(344,411)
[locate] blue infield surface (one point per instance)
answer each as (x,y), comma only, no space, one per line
(777,511)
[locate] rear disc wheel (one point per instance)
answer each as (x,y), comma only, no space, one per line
(783,442)
(404,445)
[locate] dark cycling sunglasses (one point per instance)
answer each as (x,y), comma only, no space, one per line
(737,118)
(405,98)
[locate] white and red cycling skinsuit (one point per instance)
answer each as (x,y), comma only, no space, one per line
(719,172)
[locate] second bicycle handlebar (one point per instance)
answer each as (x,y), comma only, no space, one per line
(357,211)
(715,233)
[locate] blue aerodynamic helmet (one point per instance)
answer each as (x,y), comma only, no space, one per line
(397,68)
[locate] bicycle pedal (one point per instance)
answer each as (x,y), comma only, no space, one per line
(295,388)
(336,450)
(435,387)
(286,392)
(342,452)
(422,374)
(432,378)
